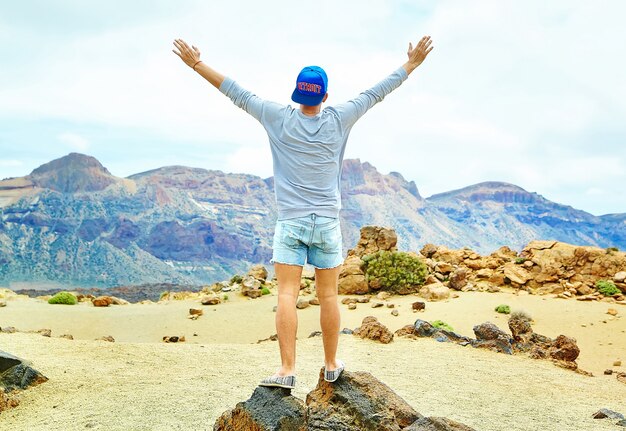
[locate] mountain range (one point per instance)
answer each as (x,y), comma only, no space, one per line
(72,222)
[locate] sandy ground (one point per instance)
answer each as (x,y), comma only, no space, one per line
(140,383)
(157,386)
(240,320)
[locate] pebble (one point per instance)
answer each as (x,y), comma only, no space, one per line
(394,312)
(617,363)
(352,306)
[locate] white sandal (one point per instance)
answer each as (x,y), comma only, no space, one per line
(332,376)
(287,382)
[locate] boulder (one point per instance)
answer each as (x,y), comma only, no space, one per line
(418,306)
(458,279)
(374,239)
(302,304)
(251,287)
(428,250)
(258,271)
(374,330)
(351,277)
(268,409)
(210,300)
(516,273)
(102,301)
(435,292)
(15,373)
(357,401)
(520,328)
(564,349)
(489,336)
(620,277)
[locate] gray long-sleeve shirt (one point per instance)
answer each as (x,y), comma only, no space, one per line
(307,151)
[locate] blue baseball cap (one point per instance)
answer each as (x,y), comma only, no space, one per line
(311,86)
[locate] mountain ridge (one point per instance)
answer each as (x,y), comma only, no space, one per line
(179,224)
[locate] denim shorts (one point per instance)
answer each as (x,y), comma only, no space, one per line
(311,239)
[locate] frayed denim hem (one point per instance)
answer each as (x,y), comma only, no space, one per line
(330,267)
(272,261)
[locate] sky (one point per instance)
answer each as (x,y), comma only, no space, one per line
(531,93)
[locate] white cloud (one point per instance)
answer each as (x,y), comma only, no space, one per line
(508,90)
(6,163)
(74,141)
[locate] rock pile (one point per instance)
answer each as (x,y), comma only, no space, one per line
(542,267)
(563,350)
(357,401)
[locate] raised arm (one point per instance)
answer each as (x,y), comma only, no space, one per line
(354,109)
(191,57)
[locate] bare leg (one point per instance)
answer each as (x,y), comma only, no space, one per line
(286,317)
(326,281)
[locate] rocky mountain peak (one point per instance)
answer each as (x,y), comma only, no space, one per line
(75,172)
(494,191)
(363,178)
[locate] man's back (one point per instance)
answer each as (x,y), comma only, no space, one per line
(307,151)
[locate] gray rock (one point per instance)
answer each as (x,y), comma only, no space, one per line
(268,409)
(16,374)
(606,413)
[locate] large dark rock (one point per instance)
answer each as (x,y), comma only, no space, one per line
(564,349)
(268,409)
(357,401)
(489,336)
(15,374)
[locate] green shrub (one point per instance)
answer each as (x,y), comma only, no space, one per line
(225,297)
(612,250)
(265,291)
(236,279)
(394,270)
(504,309)
(63,298)
(520,260)
(163,295)
(607,288)
(440,324)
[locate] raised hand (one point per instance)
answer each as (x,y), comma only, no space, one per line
(191,56)
(418,54)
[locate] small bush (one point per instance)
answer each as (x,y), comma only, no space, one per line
(394,270)
(163,295)
(236,279)
(225,297)
(265,291)
(607,288)
(520,315)
(63,298)
(612,250)
(504,309)
(520,260)
(440,324)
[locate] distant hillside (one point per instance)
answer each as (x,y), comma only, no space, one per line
(71,221)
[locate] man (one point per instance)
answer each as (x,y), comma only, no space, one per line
(307,147)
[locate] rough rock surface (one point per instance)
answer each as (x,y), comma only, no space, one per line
(374,330)
(268,409)
(357,401)
(373,239)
